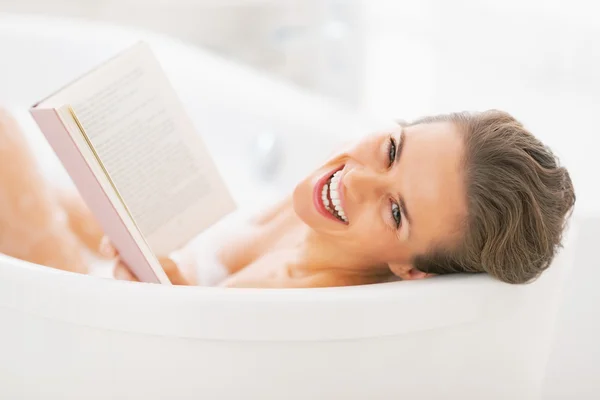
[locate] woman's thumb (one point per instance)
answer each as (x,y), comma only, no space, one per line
(106,248)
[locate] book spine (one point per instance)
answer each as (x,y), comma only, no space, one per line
(92,192)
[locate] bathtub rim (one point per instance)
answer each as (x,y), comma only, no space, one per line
(318,314)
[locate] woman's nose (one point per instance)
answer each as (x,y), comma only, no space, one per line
(363,184)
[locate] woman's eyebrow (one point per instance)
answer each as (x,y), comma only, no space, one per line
(400,145)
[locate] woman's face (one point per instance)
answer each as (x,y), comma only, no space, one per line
(389,197)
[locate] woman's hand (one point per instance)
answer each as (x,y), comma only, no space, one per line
(123,272)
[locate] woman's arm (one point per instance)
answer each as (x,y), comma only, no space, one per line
(269,272)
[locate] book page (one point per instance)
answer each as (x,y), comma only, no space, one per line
(147,145)
(135,137)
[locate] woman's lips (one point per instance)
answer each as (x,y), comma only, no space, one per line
(318,202)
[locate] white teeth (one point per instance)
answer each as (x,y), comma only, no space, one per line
(324,196)
(334,195)
(335,179)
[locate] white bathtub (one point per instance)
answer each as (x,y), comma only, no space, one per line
(67,336)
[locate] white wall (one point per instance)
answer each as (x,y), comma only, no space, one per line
(316,44)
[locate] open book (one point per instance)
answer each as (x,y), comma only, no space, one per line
(124,138)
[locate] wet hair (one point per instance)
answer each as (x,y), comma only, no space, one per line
(519,199)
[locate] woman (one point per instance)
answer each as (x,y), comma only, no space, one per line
(465,192)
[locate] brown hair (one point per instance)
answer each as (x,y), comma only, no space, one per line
(519,199)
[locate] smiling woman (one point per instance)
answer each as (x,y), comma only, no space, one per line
(397,203)
(451,193)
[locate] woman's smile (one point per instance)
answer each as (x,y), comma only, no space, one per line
(328,196)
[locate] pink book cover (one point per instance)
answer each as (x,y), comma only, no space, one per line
(93,194)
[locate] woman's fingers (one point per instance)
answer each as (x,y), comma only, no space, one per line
(107,249)
(173,271)
(122,273)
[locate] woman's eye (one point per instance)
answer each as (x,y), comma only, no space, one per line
(396,215)
(391,152)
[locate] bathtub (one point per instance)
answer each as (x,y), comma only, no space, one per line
(68,336)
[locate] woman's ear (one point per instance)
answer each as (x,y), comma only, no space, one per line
(407,272)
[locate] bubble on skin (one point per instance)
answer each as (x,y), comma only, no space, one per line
(61,217)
